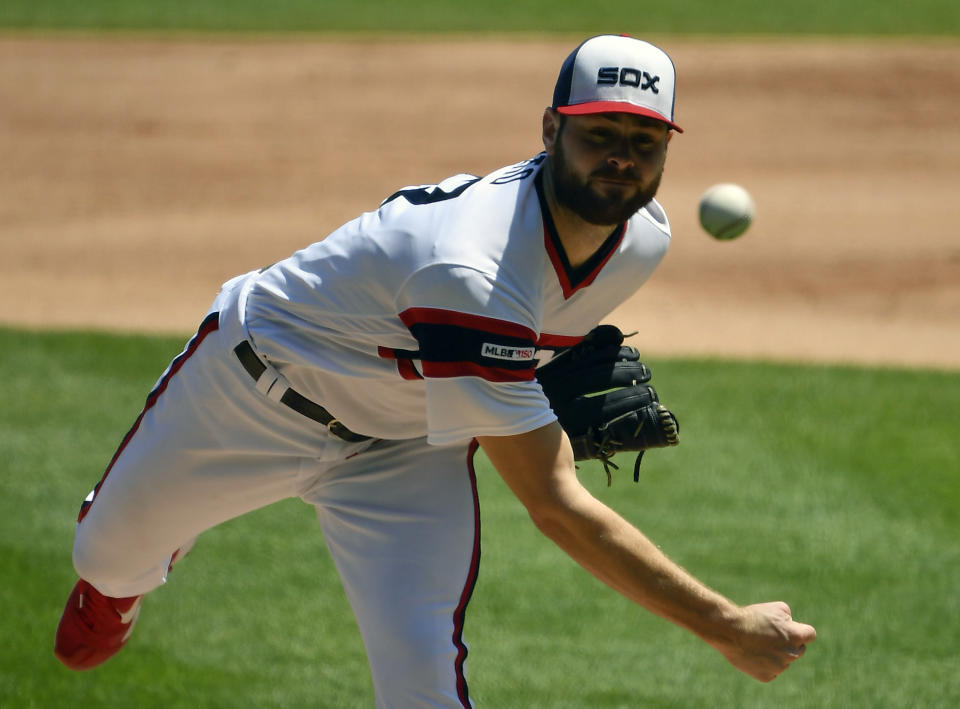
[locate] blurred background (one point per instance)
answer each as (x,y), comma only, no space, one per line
(149,151)
(142,170)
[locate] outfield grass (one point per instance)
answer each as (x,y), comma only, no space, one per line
(832,488)
(737,17)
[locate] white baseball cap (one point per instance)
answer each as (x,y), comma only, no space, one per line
(617,73)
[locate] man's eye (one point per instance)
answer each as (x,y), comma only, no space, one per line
(644,143)
(599,136)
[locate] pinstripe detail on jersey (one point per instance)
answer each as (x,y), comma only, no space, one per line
(405,366)
(454,344)
(573,278)
(408,370)
(555,342)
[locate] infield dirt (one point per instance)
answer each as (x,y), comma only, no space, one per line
(137,174)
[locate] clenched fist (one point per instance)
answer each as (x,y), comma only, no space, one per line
(765,640)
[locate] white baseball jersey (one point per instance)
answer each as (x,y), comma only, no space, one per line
(423,317)
(415,324)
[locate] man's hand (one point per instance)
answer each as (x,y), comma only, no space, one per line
(766,640)
(760,640)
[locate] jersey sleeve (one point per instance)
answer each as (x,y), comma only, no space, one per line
(477,341)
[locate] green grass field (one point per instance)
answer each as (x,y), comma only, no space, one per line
(836,489)
(737,17)
(832,488)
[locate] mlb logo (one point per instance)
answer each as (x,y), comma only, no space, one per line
(512,354)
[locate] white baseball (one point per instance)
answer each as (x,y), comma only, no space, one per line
(726,210)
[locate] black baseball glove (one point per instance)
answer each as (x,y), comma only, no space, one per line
(598,389)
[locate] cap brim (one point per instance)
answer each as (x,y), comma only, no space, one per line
(585,109)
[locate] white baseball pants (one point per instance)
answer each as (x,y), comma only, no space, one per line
(400,518)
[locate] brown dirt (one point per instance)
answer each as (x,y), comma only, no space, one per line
(137,174)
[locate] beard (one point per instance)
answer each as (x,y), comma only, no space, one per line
(591,205)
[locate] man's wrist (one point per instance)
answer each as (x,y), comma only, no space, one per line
(721,626)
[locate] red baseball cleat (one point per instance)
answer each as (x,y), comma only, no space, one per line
(93,627)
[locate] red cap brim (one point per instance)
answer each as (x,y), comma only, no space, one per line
(585,109)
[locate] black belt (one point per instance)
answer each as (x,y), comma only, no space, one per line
(296,401)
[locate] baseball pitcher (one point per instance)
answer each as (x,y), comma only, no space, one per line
(362,373)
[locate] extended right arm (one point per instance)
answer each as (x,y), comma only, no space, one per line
(760,640)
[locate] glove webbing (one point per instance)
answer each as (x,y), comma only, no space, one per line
(668,423)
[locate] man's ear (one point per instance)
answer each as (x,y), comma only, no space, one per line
(551,127)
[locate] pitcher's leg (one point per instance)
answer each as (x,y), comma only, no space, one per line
(402,522)
(206,448)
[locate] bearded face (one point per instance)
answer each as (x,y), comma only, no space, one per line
(598,188)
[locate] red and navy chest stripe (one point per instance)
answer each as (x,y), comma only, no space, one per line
(453,344)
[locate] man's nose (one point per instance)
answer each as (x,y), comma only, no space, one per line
(620,156)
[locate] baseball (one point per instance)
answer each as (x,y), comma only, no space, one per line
(726,210)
